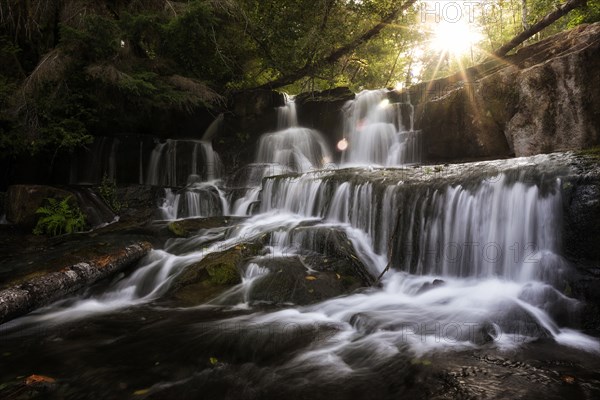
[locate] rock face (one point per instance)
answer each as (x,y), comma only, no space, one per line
(323,111)
(545,98)
(23,200)
(252,114)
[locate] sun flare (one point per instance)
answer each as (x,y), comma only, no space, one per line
(454,38)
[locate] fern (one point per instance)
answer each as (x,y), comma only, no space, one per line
(59,217)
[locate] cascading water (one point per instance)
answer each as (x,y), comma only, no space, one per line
(468,256)
(173,161)
(376,131)
(203,199)
(290,149)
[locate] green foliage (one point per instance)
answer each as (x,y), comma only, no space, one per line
(98,39)
(72,69)
(586,15)
(59,217)
(108,192)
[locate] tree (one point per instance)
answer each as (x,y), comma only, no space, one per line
(537,27)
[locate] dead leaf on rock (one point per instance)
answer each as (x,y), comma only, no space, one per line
(568,379)
(311,278)
(35,379)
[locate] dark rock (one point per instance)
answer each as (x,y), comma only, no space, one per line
(322,111)
(290,281)
(190,226)
(22,201)
(212,275)
(582,221)
(139,202)
(431,285)
(2,203)
(339,253)
(253,113)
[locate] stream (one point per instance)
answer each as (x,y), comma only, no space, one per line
(471,304)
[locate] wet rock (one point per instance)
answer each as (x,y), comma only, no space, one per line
(23,200)
(323,111)
(138,202)
(190,226)
(295,280)
(339,253)
(212,275)
(431,285)
(253,113)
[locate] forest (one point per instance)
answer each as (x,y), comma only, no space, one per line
(73,69)
(308,199)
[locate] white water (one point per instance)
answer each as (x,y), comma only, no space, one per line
(201,199)
(376,133)
(491,242)
(290,149)
(172,162)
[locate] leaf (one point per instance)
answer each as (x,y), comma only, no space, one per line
(338,276)
(141,392)
(35,379)
(213,360)
(311,278)
(568,379)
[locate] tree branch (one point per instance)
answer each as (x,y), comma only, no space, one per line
(338,53)
(537,27)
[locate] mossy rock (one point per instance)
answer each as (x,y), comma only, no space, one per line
(212,275)
(190,226)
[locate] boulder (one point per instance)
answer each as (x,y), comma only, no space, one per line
(302,280)
(22,201)
(212,275)
(190,226)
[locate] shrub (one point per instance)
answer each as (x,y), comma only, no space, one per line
(59,217)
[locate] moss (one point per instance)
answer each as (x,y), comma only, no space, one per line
(187,227)
(224,273)
(177,229)
(593,152)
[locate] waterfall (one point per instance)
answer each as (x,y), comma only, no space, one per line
(376,131)
(294,149)
(95,163)
(172,162)
(202,199)
(498,228)
(287,117)
(290,149)
(471,247)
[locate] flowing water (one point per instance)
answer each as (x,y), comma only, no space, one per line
(376,131)
(474,265)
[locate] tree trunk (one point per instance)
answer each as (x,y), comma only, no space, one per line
(537,27)
(338,53)
(43,290)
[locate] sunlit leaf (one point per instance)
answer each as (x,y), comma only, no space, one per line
(34,379)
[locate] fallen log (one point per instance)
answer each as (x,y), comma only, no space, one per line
(37,292)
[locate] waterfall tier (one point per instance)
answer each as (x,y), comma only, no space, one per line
(376,131)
